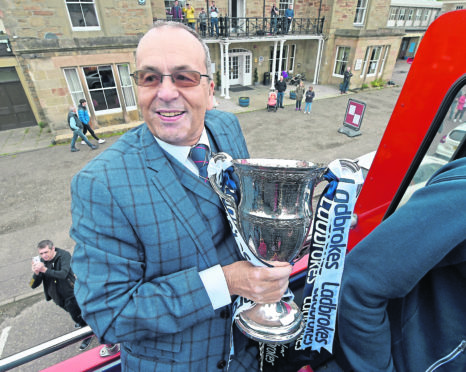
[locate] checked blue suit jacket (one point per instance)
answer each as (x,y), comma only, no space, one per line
(144,227)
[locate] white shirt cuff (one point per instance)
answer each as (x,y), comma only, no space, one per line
(216,286)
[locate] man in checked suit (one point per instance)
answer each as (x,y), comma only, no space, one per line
(155,259)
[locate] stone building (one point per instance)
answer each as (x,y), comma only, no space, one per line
(54,52)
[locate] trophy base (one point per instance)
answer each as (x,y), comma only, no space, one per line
(278,323)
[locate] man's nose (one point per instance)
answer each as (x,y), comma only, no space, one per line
(167,89)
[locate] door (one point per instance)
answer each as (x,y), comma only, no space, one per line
(15,111)
(234,70)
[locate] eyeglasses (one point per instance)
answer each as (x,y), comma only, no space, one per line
(182,79)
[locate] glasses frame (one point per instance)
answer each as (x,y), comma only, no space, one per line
(157,83)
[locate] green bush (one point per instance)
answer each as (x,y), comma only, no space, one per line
(42,124)
(377,83)
(364,86)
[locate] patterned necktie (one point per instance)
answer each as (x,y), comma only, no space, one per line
(200,155)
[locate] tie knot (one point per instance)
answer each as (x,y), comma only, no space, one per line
(200,156)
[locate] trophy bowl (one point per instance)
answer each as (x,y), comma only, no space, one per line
(274,216)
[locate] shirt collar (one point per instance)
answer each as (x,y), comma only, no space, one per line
(181,153)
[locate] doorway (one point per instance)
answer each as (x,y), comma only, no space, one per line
(15,111)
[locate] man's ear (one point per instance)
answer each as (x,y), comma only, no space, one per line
(210,103)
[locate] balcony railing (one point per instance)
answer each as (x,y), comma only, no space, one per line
(238,27)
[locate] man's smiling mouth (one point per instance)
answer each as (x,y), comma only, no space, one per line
(170,114)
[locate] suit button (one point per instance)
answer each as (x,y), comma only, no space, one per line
(222,364)
(224,314)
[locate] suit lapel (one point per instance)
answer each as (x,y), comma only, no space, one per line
(167,182)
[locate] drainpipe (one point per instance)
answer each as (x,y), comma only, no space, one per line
(222,71)
(227,71)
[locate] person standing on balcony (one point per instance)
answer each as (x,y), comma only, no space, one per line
(176,12)
(289,15)
(189,14)
(273,19)
(203,21)
(213,11)
(83,115)
(280,86)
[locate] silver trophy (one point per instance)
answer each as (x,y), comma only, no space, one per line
(273,217)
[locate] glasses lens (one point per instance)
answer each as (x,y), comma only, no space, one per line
(186,78)
(147,78)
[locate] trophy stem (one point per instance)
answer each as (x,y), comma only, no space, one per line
(278,323)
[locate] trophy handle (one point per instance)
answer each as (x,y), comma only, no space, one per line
(229,200)
(322,169)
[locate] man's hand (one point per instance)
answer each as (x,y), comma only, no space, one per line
(38,267)
(259,284)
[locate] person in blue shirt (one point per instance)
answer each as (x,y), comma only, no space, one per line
(83,115)
(289,15)
(76,126)
(403,294)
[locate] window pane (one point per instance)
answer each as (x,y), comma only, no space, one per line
(106,76)
(76,15)
(92,77)
(90,17)
(126,86)
(111,96)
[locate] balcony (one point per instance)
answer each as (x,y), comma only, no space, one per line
(248,27)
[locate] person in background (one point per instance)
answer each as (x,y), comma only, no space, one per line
(176,12)
(76,126)
(460,108)
(156,261)
(289,15)
(280,86)
(189,15)
(310,94)
(403,294)
(213,12)
(52,269)
(203,22)
(83,115)
(346,80)
(299,95)
(273,19)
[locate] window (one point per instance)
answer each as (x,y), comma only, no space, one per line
(459,7)
(384,59)
(366,60)
(360,12)
(102,87)
(74,85)
(277,59)
(341,60)
(426,14)
(247,65)
(393,12)
(410,14)
(374,60)
(401,15)
(418,14)
(127,86)
(283,5)
(83,15)
(292,58)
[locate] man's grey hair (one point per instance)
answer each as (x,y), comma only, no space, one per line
(44,244)
(180,25)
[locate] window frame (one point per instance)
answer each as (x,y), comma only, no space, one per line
(83,28)
(108,110)
(344,63)
(124,86)
(371,61)
(361,9)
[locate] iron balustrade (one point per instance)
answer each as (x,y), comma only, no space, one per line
(239,27)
